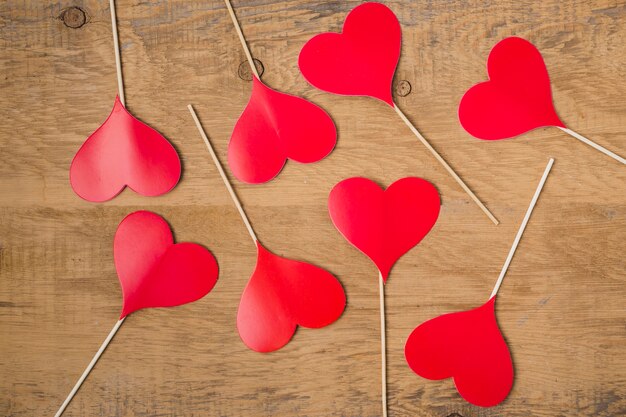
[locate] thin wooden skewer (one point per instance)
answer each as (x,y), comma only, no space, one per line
(522,227)
(445,165)
(246,50)
(383,343)
(90,367)
(593,144)
(229,187)
(116,47)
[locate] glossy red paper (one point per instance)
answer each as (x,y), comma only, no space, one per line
(124,152)
(468,347)
(275,127)
(283,294)
(517,98)
(359,61)
(384,224)
(155,272)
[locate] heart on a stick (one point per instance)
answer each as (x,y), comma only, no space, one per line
(359,61)
(156,272)
(283,294)
(384,224)
(468,347)
(517,98)
(124,152)
(275,127)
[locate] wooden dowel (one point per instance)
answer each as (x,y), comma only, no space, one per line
(593,144)
(242,39)
(522,227)
(383,344)
(90,366)
(229,187)
(116,47)
(445,165)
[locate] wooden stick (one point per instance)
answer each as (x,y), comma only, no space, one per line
(229,187)
(593,144)
(445,165)
(116,47)
(246,50)
(90,366)
(522,227)
(383,343)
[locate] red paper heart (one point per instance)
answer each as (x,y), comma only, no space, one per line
(517,97)
(282,294)
(275,127)
(155,272)
(124,152)
(360,61)
(384,224)
(468,347)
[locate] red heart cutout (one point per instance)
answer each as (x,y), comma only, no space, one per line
(359,61)
(155,272)
(468,347)
(517,97)
(283,294)
(384,224)
(124,152)
(275,127)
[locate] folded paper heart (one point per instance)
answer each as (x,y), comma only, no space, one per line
(517,98)
(384,224)
(155,272)
(360,61)
(275,127)
(283,294)
(468,347)
(124,152)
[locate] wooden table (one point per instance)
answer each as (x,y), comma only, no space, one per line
(561,307)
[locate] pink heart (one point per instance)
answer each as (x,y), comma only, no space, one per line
(275,127)
(124,152)
(517,97)
(468,347)
(360,61)
(384,224)
(155,272)
(283,294)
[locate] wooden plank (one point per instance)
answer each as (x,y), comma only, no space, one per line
(561,306)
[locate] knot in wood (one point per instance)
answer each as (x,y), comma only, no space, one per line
(403,88)
(244,69)
(73,17)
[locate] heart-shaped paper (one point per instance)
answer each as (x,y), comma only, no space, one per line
(517,98)
(359,61)
(155,272)
(124,152)
(468,347)
(283,294)
(275,127)
(384,224)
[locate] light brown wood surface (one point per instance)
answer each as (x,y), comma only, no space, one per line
(561,306)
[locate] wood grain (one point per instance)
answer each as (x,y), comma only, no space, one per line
(561,307)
